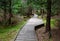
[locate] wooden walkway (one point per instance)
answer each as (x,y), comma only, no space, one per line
(27,33)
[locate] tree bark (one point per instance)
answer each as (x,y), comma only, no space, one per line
(42,13)
(48,27)
(29,11)
(4,12)
(10,11)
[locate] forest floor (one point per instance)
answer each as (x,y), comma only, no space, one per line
(55,32)
(45,36)
(9,32)
(56,28)
(41,35)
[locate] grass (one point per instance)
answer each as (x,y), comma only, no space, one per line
(9,33)
(52,23)
(53,27)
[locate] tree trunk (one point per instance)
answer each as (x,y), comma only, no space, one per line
(42,13)
(29,11)
(10,12)
(48,27)
(4,12)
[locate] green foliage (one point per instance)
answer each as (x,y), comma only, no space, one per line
(22,10)
(55,6)
(37,3)
(16,4)
(9,32)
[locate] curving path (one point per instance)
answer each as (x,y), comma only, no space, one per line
(27,33)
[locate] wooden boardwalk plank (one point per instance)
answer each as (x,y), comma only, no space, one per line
(28,33)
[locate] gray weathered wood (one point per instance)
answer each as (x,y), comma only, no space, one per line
(28,33)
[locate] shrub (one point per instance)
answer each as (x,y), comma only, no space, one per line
(58,23)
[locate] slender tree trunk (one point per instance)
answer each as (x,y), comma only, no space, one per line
(48,27)
(10,12)
(29,11)
(4,12)
(42,13)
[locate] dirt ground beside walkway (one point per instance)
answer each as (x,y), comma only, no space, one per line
(56,34)
(44,36)
(41,35)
